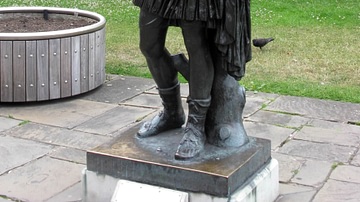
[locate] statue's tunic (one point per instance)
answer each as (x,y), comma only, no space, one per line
(230,19)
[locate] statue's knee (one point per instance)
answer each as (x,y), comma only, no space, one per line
(150,51)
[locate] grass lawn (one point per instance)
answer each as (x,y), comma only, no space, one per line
(315,52)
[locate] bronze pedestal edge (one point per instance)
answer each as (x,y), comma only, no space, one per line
(217,171)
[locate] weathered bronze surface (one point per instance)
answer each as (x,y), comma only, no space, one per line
(217,39)
(217,171)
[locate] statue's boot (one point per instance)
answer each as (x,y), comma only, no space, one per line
(194,137)
(172,116)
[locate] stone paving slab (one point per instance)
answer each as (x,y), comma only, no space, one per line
(150,101)
(302,160)
(69,154)
(270,97)
(279,119)
(15,152)
(58,136)
(71,194)
(356,160)
(276,134)
(316,108)
(343,127)
(295,193)
(145,100)
(119,89)
(184,90)
(114,120)
(333,135)
(338,191)
(40,180)
(319,151)
(346,173)
(7,123)
(313,173)
(253,105)
(121,131)
(256,101)
(288,165)
(66,113)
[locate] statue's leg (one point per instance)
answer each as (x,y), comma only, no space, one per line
(153,31)
(200,83)
(200,59)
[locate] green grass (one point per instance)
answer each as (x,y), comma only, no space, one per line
(24,122)
(315,52)
(336,164)
(305,13)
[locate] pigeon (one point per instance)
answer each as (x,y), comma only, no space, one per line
(46,14)
(261,42)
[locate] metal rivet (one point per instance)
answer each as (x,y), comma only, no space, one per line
(92,47)
(66,81)
(43,85)
(66,52)
(19,56)
(42,55)
(92,75)
(31,85)
(55,83)
(6,56)
(97,72)
(54,54)
(84,49)
(6,86)
(31,55)
(75,51)
(76,80)
(84,77)
(19,86)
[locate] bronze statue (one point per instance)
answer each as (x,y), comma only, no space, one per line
(217,38)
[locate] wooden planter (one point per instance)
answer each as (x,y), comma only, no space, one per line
(40,66)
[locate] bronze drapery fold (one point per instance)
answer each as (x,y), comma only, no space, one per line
(233,38)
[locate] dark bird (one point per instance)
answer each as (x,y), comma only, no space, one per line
(261,42)
(46,14)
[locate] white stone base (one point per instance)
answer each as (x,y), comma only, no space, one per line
(133,191)
(262,187)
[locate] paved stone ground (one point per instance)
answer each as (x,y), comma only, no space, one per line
(43,145)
